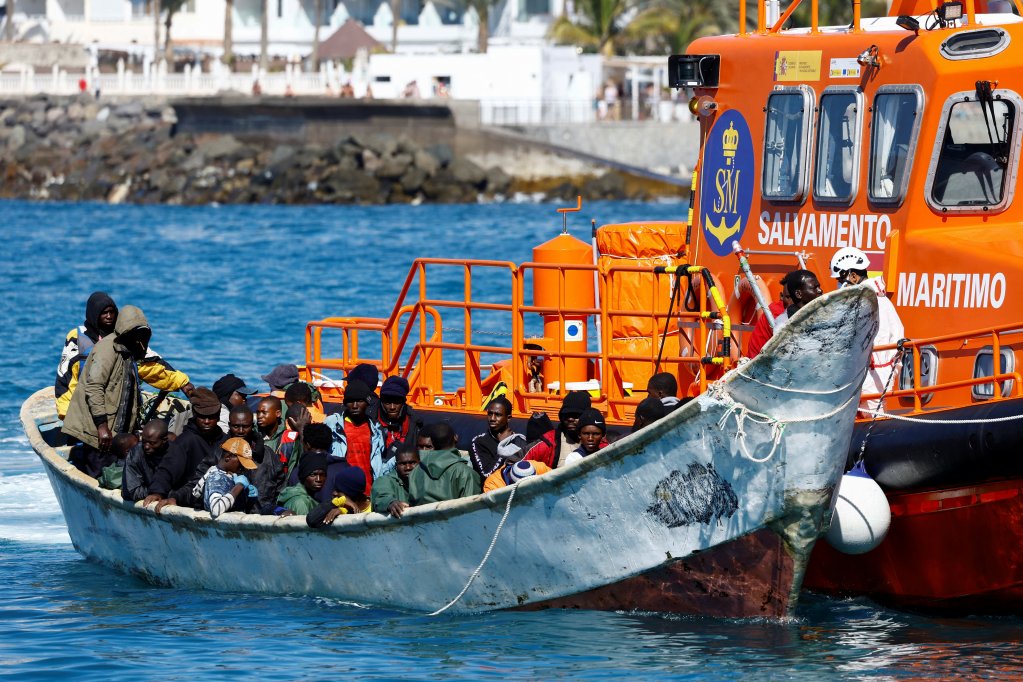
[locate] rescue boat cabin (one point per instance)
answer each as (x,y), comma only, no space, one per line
(898,135)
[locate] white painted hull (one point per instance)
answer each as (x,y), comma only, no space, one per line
(647,501)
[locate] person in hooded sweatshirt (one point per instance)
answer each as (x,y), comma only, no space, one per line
(179,470)
(592,435)
(100,319)
(442,474)
(555,445)
(107,401)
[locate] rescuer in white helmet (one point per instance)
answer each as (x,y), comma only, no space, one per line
(849,266)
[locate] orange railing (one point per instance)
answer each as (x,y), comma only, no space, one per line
(956,355)
(413,340)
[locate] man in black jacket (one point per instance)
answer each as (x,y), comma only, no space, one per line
(176,475)
(141,463)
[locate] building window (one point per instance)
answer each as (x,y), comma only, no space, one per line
(837,171)
(973,162)
(984,366)
(785,140)
(894,128)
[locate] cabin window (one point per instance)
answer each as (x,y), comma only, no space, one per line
(984,366)
(895,125)
(985,42)
(785,140)
(928,373)
(838,145)
(972,168)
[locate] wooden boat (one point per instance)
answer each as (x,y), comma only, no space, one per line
(898,135)
(749,466)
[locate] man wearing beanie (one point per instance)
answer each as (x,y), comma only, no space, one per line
(180,470)
(345,497)
(394,416)
(356,438)
(555,445)
(592,432)
(483,451)
(301,498)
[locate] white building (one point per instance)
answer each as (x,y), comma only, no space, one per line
(436,26)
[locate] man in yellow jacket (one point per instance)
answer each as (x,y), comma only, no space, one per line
(100,320)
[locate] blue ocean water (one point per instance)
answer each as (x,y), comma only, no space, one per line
(231,289)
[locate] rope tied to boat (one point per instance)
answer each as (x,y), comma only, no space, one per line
(486,556)
(742,413)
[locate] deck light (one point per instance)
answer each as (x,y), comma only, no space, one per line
(909,23)
(949,12)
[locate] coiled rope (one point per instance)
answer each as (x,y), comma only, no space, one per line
(486,556)
(742,413)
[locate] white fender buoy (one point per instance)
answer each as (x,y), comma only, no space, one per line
(862,515)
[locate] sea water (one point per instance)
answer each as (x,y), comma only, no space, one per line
(230,289)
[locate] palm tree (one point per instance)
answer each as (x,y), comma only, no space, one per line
(171,7)
(228,32)
(317,18)
(597,27)
(155,4)
(668,26)
(482,8)
(264,34)
(9,29)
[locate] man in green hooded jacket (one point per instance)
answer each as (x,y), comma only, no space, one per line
(443,473)
(108,396)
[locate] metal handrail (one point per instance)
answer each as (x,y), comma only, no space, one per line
(917,391)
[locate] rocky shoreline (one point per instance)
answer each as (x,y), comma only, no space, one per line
(81,149)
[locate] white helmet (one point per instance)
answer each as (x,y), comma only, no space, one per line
(848,258)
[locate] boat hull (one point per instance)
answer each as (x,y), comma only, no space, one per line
(949,550)
(705,477)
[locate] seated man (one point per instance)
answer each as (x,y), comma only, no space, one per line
(232,392)
(224,487)
(269,419)
(512,473)
(424,441)
(762,330)
(141,463)
(300,499)
(555,445)
(347,497)
(290,450)
(356,438)
(442,474)
(367,374)
(664,387)
(483,451)
(300,392)
(390,491)
(279,378)
(647,412)
(270,472)
(395,417)
(112,474)
(592,432)
(179,470)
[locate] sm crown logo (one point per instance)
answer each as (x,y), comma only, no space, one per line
(730,143)
(726,193)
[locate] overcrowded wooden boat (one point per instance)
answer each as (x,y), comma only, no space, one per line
(712,509)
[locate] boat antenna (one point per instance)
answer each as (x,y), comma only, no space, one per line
(565,211)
